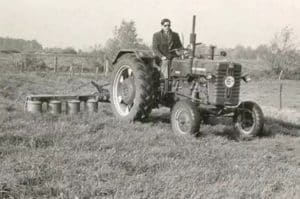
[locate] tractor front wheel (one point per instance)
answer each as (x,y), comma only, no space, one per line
(185,118)
(249,120)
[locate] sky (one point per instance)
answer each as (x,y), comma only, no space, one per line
(84,23)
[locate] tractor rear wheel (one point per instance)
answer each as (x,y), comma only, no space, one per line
(249,120)
(185,118)
(131,89)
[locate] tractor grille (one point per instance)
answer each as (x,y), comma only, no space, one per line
(219,94)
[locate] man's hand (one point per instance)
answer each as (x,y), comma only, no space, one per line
(178,52)
(163,58)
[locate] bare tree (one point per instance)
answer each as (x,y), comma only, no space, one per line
(283,51)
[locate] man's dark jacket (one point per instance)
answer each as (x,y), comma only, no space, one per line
(162,44)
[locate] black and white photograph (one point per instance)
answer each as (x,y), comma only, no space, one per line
(149,99)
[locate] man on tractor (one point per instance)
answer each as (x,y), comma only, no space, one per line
(164,44)
(195,88)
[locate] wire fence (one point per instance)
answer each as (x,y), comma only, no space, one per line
(57,63)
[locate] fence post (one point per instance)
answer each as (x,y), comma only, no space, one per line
(280,90)
(25,65)
(280,96)
(22,66)
(16,65)
(55,64)
(71,72)
(81,71)
(106,67)
(97,71)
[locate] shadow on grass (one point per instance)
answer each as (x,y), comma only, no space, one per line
(276,126)
(229,132)
(272,127)
(283,123)
(158,118)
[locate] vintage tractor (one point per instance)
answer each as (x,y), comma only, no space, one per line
(197,88)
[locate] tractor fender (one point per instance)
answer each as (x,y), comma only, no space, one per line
(140,54)
(245,103)
(240,105)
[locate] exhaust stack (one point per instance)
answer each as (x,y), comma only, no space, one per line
(193,44)
(193,37)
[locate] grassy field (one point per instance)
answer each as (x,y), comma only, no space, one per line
(96,156)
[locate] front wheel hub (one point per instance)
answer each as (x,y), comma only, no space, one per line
(183,121)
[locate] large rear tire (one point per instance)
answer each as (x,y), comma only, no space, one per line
(185,118)
(249,120)
(132,94)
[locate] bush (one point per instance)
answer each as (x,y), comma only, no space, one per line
(33,63)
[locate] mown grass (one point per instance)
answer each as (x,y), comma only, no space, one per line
(96,156)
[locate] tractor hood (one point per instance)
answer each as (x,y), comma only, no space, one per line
(181,67)
(212,66)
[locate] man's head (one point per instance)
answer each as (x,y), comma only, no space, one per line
(165,24)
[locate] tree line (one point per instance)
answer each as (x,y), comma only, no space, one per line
(281,52)
(22,45)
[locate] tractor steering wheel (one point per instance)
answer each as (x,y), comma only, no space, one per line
(179,49)
(181,52)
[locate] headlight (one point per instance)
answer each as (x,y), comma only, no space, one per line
(246,78)
(208,76)
(229,81)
